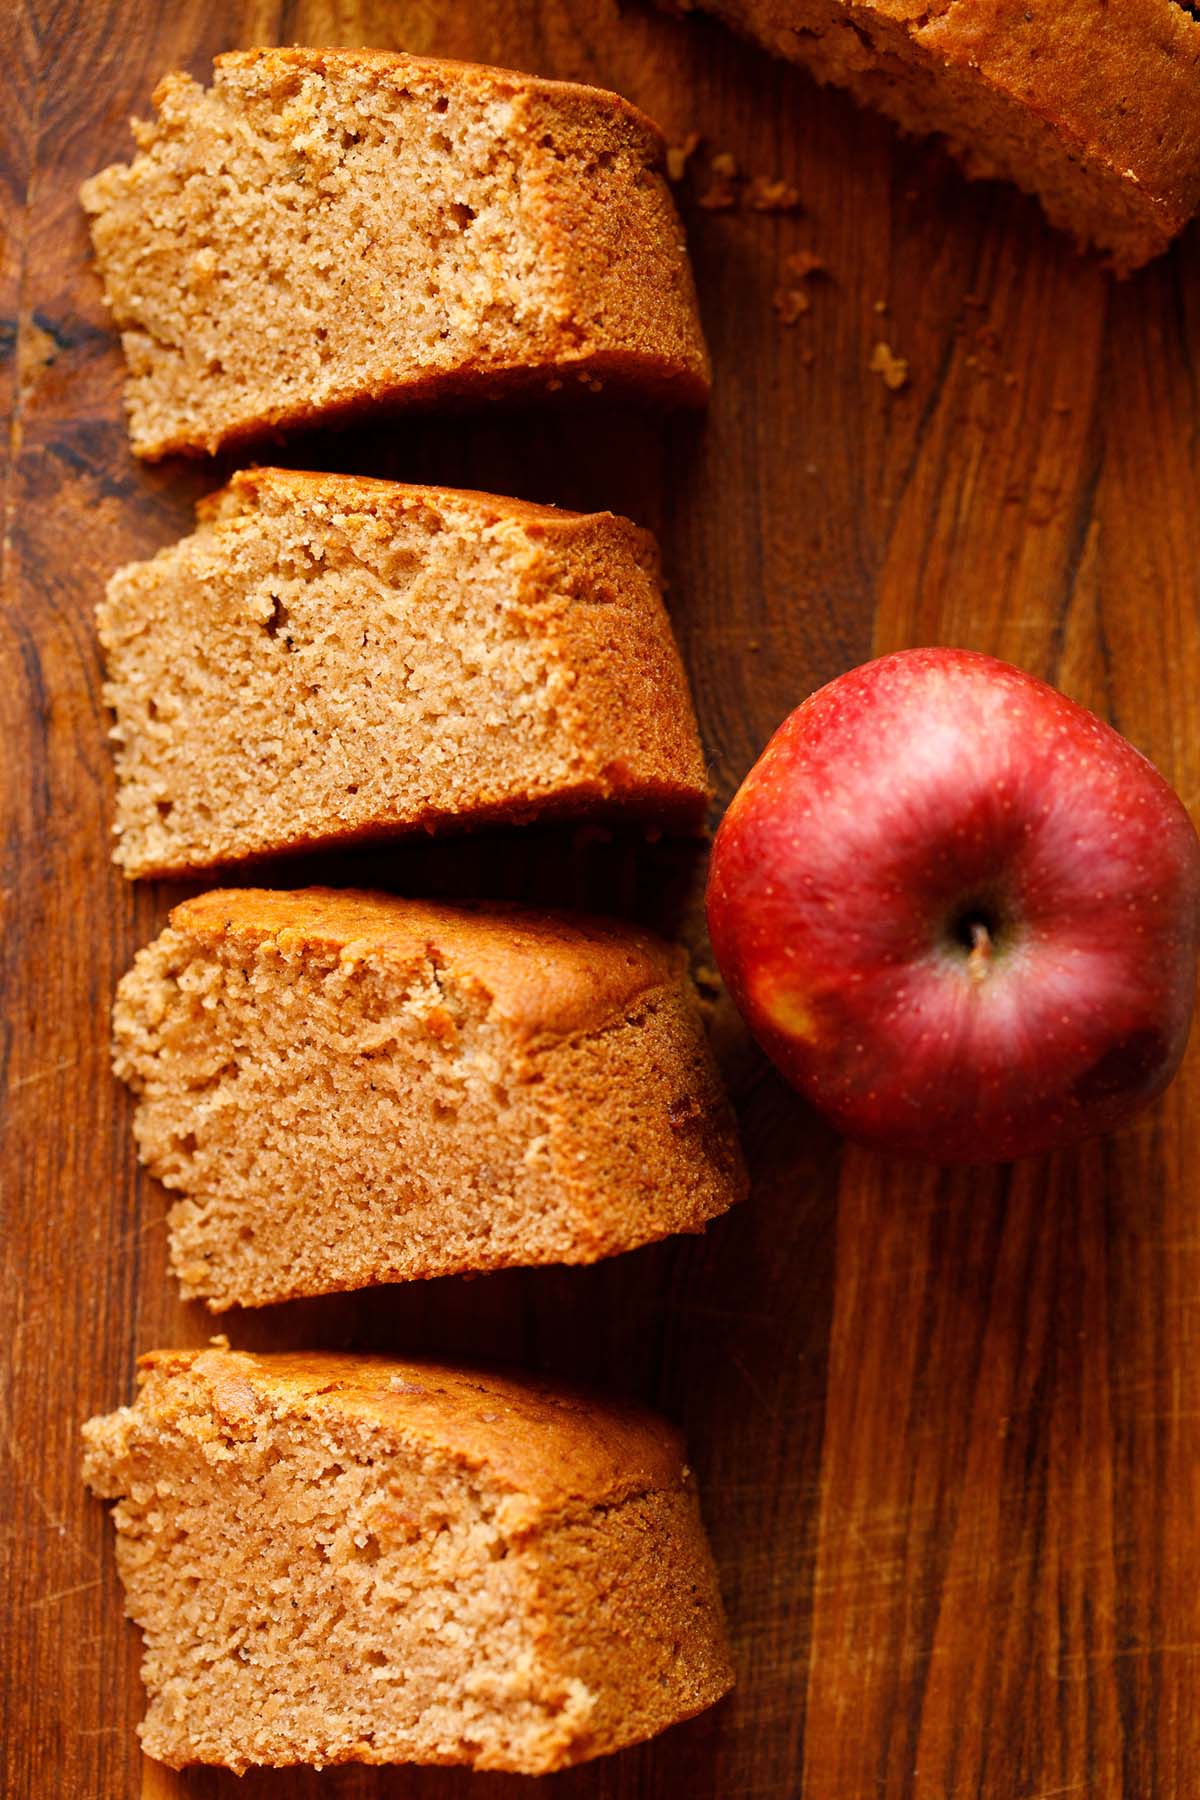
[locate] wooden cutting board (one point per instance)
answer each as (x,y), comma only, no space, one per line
(947,1426)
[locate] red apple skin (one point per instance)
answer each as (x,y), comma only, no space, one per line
(903,799)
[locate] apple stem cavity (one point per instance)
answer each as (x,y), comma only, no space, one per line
(977,929)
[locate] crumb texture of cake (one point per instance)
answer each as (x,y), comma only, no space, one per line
(1094,109)
(324,229)
(329,658)
(345,1559)
(348,1088)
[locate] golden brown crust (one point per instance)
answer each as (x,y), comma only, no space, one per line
(607,247)
(246,487)
(1077,66)
(549,974)
(666,1602)
(1095,109)
(439,69)
(558,1446)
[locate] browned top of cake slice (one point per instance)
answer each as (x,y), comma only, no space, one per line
(554,1444)
(1095,108)
(1122,81)
(336,493)
(284,60)
(551,974)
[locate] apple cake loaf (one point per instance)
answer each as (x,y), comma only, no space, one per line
(344,1559)
(348,1088)
(329,658)
(1095,109)
(323,229)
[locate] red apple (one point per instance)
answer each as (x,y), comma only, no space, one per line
(959,912)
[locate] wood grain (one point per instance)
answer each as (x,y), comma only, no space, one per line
(947,1426)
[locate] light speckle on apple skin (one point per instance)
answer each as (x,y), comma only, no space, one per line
(887,799)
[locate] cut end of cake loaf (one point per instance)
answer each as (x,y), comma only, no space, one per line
(324,230)
(348,1088)
(345,1559)
(1095,110)
(330,658)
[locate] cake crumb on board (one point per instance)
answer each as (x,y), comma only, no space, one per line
(729,188)
(721,193)
(790,299)
(790,304)
(772,195)
(679,155)
(893,368)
